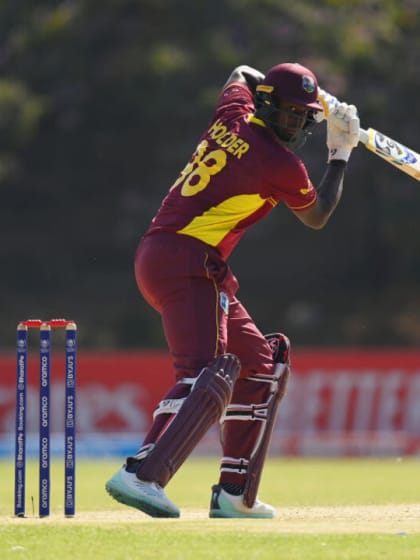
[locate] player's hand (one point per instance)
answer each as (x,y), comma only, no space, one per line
(343,127)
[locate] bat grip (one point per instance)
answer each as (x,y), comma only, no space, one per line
(363,136)
(329,102)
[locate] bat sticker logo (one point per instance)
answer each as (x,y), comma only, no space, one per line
(389,148)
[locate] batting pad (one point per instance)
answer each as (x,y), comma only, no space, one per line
(203,407)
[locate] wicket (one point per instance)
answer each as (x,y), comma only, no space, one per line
(44,414)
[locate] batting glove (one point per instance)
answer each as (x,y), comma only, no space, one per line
(343,126)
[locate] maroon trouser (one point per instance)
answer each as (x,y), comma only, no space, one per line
(193,289)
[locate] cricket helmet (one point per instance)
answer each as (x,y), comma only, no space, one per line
(293,84)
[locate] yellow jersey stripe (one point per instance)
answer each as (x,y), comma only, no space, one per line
(216,222)
(302,207)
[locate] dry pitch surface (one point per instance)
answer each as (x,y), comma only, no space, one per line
(396,519)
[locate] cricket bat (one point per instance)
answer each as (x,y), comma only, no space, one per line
(390,150)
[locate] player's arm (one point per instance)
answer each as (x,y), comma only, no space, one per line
(246,75)
(328,196)
(342,136)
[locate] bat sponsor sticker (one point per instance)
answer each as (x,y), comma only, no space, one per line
(390,148)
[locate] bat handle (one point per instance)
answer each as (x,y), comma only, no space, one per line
(363,136)
(329,103)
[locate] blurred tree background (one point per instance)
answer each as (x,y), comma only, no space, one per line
(101,105)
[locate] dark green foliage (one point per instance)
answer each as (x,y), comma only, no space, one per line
(101,104)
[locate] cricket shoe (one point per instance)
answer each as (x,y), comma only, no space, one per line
(148,497)
(224,504)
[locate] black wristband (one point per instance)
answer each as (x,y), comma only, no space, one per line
(338,163)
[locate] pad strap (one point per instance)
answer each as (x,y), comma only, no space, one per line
(246,412)
(237,466)
(168,406)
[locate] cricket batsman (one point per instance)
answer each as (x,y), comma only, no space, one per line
(225,369)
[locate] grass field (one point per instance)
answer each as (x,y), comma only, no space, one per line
(326,509)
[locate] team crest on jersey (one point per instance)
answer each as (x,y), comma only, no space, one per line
(308,83)
(224,302)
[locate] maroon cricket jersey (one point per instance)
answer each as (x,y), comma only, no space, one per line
(236,176)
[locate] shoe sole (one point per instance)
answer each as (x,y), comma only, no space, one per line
(217,514)
(143,505)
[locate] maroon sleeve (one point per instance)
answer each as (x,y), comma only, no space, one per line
(287,180)
(299,192)
(236,97)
